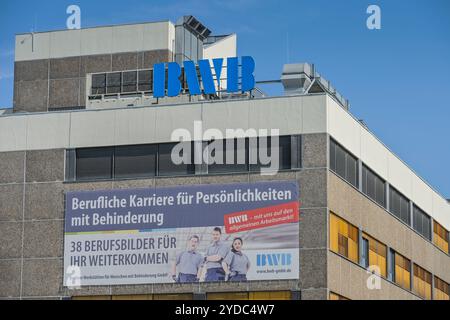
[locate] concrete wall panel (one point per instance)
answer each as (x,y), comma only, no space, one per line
(48,131)
(65,43)
(12,167)
(64,93)
(31,70)
(96,41)
(64,68)
(32,96)
(45,165)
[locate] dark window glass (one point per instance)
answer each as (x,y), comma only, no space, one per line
(129,81)
(94,163)
(166,167)
(264,148)
(399,205)
(113,82)
(235,160)
(343,163)
(135,161)
(98,84)
(352,170)
(422,222)
(332,155)
(340,161)
(373,186)
(145,80)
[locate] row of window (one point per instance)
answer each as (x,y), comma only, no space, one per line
(150,160)
(345,240)
(257,295)
(122,82)
(345,165)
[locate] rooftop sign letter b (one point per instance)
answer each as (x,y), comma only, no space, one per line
(206,76)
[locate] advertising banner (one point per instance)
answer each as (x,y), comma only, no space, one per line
(196,233)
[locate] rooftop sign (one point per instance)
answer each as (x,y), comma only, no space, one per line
(206,76)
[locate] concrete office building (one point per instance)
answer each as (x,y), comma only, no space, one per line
(79,95)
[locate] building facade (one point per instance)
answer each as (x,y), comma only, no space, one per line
(80,96)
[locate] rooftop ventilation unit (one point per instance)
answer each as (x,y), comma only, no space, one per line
(296,78)
(301,78)
(195,26)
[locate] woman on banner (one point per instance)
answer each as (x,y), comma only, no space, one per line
(236,263)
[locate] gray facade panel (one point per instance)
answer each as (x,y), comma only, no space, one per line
(315,294)
(10,240)
(125,184)
(314,150)
(44,201)
(313,188)
(125,61)
(11,199)
(11,166)
(97,63)
(42,277)
(156,56)
(65,68)
(43,239)
(313,268)
(10,278)
(32,96)
(313,228)
(82,92)
(64,93)
(31,70)
(45,165)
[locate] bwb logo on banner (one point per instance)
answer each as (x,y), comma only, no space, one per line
(193,82)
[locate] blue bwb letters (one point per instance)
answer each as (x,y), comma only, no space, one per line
(174,73)
(274,259)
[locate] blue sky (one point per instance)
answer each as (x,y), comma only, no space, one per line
(397,79)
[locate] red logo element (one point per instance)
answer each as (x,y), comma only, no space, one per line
(262,217)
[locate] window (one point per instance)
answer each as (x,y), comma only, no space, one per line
(399,206)
(113,81)
(98,84)
(343,163)
(402,271)
(335,296)
(422,282)
(440,237)
(343,238)
(263,147)
(377,253)
(441,290)
(422,222)
(373,186)
(166,167)
(149,160)
(238,156)
(270,295)
(129,81)
(145,80)
(135,161)
(94,163)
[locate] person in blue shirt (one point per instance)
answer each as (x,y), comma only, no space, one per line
(215,253)
(236,263)
(188,263)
